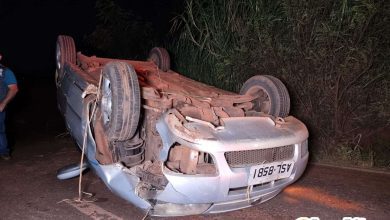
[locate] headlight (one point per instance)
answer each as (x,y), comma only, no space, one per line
(304,148)
(183,159)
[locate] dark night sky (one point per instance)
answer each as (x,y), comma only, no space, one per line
(29,28)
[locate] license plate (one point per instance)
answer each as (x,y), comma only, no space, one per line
(268,172)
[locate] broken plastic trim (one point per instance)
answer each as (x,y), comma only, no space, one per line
(71,170)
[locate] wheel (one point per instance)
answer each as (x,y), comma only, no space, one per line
(65,52)
(271,95)
(160,57)
(120,101)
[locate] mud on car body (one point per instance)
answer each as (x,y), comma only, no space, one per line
(173,146)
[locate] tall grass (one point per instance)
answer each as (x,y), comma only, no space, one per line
(332,55)
(223,36)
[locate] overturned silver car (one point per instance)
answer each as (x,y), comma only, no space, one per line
(173,146)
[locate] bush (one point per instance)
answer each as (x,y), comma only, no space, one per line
(332,55)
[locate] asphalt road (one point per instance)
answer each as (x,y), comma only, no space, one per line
(29,190)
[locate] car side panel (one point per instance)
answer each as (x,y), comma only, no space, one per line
(72,87)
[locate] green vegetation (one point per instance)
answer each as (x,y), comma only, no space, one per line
(333,56)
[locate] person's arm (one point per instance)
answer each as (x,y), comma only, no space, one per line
(12,90)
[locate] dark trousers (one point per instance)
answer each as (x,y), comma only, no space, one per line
(3,138)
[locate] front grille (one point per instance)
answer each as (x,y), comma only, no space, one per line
(250,157)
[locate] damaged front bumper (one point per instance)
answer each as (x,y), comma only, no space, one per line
(225,190)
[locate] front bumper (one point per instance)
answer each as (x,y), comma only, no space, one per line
(217,193)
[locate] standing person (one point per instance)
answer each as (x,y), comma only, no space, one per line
(8,90)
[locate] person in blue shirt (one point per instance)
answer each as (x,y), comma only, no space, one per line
(8,90)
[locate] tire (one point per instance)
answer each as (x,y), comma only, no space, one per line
(160,57)
(273,97)
(65,52)
(120,101)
